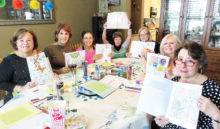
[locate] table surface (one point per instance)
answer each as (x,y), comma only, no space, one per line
(119,108)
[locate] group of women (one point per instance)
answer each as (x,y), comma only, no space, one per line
(187,64)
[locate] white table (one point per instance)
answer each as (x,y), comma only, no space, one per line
(120,107)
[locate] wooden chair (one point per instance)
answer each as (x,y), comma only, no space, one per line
(74,46)
(2,92)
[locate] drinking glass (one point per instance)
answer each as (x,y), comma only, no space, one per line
(68,94)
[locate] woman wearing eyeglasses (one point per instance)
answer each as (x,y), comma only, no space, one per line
(88,46)
(55,52)
(191,63)
(144,35)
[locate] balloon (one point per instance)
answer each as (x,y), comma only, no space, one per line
(17,4)
(48,5)
(34,4)
(2,3)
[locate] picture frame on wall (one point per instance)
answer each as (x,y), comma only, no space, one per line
(114,2)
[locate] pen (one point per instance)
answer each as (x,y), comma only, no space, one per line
(38,100)
(34,99)
(44,111)
(133,88)
(134,91)
(45,108)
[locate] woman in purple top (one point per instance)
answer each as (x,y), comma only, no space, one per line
(89,47)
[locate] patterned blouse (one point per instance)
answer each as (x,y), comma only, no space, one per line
(210,90)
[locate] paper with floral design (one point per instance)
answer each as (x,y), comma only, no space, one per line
(175,100)
(39,68)
(74,58)
(156,64)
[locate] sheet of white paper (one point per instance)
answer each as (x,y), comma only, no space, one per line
(39,68)
(113,81)
(156,64)
(74,58)
(155,95)
(138,46)
(117,20)
(105,50)
(182,109)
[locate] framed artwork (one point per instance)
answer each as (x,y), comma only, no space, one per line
(114,2)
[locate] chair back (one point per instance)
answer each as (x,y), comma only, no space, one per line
(2,92)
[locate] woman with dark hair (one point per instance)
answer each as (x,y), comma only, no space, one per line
(119,49)
(55,52)
(88,46)
(14,73)
(191,63)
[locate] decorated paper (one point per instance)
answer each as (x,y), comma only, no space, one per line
(39,68)
(138,46)
(175,100)
(74,58)
(156,64)
(105,50)
(117,20)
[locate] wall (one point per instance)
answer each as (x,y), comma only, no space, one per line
(154,3)
(76,13)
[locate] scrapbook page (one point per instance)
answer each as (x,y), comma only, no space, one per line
(39,68)
(105,50)
(117,20)
(138,46)
(156,64)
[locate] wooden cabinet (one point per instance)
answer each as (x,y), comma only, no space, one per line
(197,20)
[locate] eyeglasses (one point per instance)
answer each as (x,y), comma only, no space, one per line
(188,62)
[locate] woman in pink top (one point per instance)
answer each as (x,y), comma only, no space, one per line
(88,46)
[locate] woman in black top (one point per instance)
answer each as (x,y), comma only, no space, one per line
(14,74)
(191,62)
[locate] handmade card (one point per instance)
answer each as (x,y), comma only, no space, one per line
(138,46)
(39,68)
(117,20)
(176,101)
(156,64)
(74,58)
(105,50)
